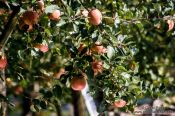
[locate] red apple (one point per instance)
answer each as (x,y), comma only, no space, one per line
(43,48)
(55,15)
(40,4)
(2,11)
(3,62)
(170,24)
(82,46)
(95,17)
(18,90)
(98,48)
(58,74)
(28,18)
(119,103)
(97,67)
(78,83)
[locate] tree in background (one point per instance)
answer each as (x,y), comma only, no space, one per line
(123,49)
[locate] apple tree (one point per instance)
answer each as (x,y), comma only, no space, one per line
(123,50)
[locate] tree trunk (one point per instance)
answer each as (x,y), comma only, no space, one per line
(6,33)
(3,104)
(58,109)
(78,103)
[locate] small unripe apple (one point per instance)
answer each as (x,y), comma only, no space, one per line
(95,17)
(43,48)
(78,83)
(55,15)
(119,103)
(3,62)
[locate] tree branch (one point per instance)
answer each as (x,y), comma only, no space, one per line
(9,27)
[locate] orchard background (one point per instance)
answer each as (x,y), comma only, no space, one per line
(50,50)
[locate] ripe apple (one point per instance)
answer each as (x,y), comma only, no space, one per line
(28,18)
(18,90)
(3,62)
(2,11)
(82,46)
(58,74)
(40,4)
(55,15)
(43,48)
(78,83)
(119,103)
(98,48)
(95,17)
(97,67)
(170,24)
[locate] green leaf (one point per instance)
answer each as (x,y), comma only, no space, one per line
(48,94)
(43,104)
(69,10)
(35,108)
(57,91)
(121,68)
(110,52)
(88,58)
(36,101)
(89,72)
(51,8)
